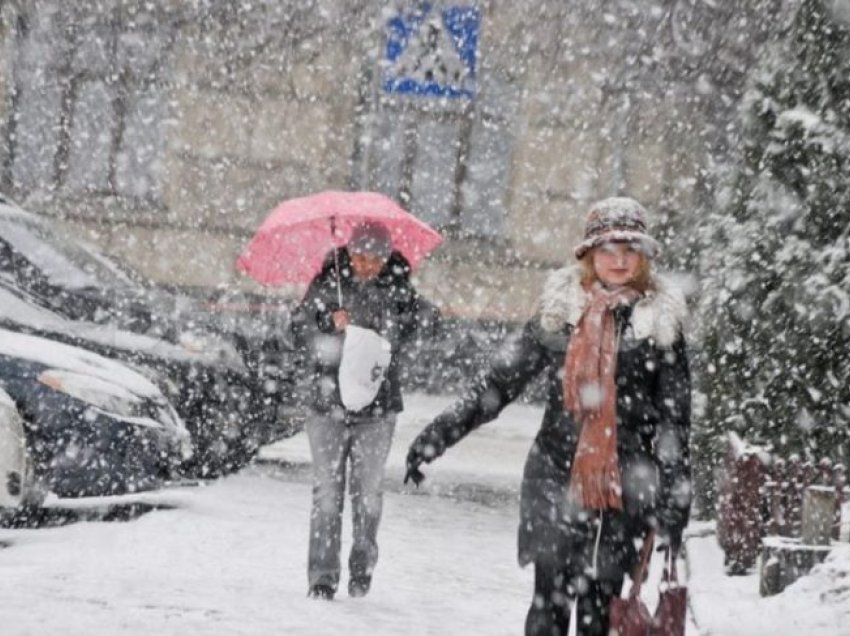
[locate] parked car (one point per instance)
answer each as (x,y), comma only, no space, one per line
(93,426)
(81,283)
(260,327)
(208,385)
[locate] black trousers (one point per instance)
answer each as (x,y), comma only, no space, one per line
(554,595)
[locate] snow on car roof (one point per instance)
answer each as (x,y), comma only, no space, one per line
(9,209)
(66,261)
(22,311)
(57,355)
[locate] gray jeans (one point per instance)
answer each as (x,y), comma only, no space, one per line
(364,446)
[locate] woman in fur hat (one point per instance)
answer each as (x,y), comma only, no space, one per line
(611,458)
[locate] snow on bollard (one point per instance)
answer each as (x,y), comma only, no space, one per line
(818,513)
(786,559)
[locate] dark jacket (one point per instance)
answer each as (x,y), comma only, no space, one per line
(387,304)
(653,416)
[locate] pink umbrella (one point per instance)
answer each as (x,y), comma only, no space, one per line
(293,240)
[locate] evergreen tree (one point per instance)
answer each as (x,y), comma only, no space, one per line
(775,311)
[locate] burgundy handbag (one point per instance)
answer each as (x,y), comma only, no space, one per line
(672,607)
(630,617)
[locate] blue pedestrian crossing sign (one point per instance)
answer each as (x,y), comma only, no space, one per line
(432,51)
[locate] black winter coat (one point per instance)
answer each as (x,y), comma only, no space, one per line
(387,304)
(653,422)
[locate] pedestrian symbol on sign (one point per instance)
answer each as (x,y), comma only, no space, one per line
(432,51)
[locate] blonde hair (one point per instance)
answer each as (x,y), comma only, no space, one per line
(642,281)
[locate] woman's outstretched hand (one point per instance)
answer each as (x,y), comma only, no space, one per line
(414,460)
(427,447)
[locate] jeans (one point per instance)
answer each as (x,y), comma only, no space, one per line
(362,445)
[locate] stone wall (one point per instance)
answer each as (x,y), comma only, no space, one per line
(166,133)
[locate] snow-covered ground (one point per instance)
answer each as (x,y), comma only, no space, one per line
(229,557)
(816,605)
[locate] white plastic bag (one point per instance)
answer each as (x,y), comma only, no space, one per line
(363,367)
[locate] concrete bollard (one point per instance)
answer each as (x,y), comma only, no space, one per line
(839,480)
(785,559)
(818,513)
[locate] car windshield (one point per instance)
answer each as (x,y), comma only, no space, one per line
(64,261)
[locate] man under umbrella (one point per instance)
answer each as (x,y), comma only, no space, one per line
(364,285)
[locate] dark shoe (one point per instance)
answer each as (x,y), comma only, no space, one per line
(359,586)
(324,592)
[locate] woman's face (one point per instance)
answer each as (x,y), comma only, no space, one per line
(616,264)
(366,266)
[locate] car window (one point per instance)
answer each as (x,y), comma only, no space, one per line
(63,261)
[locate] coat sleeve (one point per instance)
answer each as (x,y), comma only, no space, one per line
(317,308)
(672,440)
(518,361)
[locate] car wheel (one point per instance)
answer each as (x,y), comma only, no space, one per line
(31,500)
(222,440)
(34,490)
(20,489)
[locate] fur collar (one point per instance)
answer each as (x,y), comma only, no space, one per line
(659,315)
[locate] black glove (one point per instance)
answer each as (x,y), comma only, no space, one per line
(414,460)
(424,449)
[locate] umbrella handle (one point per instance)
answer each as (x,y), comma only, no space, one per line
(338,277)
(336,262)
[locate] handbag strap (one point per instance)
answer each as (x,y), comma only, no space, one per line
(643,563)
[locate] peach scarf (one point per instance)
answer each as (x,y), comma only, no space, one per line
(590,395)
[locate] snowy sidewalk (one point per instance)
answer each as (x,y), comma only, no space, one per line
(229,557)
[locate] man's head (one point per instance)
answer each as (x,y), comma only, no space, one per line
(370,247)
